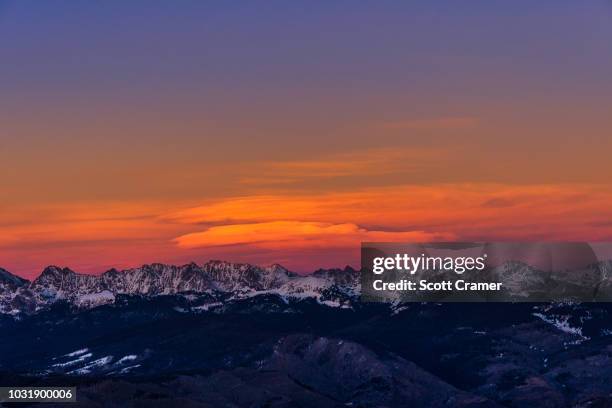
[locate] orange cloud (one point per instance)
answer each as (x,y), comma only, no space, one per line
(370,162)
(296,234)
(467,210)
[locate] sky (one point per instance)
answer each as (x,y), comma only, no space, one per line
(289,132)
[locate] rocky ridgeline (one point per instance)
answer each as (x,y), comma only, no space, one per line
(55,284)
(220,281)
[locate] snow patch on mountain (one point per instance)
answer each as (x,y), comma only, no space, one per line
(77,352)
(127,358)
(76,361)
(101,362)
(561,323)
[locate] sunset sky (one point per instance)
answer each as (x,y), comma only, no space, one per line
(289,132)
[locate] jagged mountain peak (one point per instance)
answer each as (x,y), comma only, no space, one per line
(63,283)
(280,270)
(241,276)
(346,269)
(54,273)
(55,270)
(158,278)
(159,269)
(7,278)
(346,276)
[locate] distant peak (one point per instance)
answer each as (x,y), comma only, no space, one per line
(191,265)
(9,278)
(111,272)
(54,274)
(277,268)
(56,270)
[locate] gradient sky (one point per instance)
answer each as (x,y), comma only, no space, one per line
(150,131)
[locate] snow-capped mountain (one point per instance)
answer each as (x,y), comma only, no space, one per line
(215,282)
(231,277)
(15,296)
(215,278)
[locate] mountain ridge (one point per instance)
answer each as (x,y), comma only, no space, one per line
(216,282)
(18,295)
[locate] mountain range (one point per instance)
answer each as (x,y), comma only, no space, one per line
(211,282)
